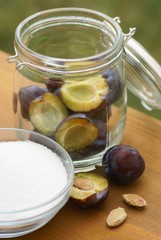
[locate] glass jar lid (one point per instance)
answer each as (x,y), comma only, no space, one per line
(143,74)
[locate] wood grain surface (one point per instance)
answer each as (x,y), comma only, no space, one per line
(72,223)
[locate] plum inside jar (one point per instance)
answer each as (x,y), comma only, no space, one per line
(75,114)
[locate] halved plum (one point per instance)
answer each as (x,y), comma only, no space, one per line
(99,83)
(80,97)
(76,132)
(89,189)
(53,84)
(46,113)
(97,146)
(101,111)
(27,95)
(115,85)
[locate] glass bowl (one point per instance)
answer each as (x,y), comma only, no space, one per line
(23,221)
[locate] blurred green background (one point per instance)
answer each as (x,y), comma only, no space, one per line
(145,15)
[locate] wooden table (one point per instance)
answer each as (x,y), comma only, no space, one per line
(71,223)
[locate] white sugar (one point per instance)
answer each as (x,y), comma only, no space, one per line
(30,174)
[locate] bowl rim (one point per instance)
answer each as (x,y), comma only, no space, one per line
(69,179)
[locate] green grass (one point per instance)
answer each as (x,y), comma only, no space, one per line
(145,15)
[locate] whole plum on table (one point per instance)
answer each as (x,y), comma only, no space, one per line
(123,164)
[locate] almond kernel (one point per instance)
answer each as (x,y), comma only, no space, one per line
(116,217)
(134,200)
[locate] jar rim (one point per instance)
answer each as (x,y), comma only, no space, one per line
(28,55)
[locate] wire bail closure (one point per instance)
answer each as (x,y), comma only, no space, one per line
(131,30)
(129,35)
(19,65)
(12,59)
(117,19)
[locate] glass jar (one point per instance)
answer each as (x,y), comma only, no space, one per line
(70,81)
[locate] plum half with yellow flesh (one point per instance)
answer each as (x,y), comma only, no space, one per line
(27,95)
(97,146)
(99,83)
(76,132)
(80,97)
(89,189)
(46,113)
